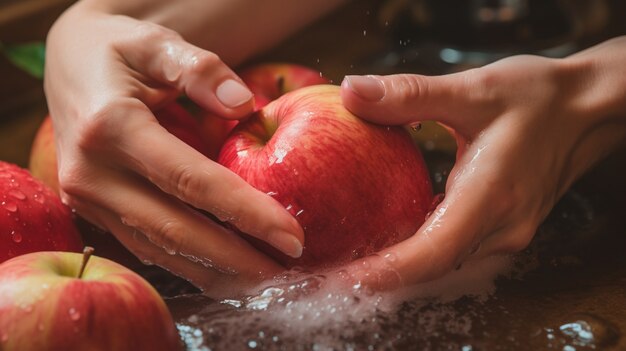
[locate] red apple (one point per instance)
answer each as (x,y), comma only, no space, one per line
(32,217)
(354,187)
(270,81)
(267,81)
(47,304)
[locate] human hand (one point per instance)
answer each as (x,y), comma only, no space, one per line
(526,127)
(124,172)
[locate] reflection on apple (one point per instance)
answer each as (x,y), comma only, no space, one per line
(354,187)
(46,303)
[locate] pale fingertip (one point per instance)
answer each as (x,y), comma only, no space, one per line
(369,88)
(232,93)
(286,242)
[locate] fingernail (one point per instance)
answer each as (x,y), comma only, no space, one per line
(232,93)
(369,88)
(286,243)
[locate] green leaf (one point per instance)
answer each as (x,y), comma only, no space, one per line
(29,57)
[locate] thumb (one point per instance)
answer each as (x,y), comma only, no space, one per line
(453,99)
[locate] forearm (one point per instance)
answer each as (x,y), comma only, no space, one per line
(234,29)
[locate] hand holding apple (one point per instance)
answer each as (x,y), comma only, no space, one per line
(59,301)
(354,187)
(32,217)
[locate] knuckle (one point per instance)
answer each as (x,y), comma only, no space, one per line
(72,179)
(201,62)
(187,185)
(408,87)
(170,235)
(148,31)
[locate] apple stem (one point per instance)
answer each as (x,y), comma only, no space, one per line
(87,252)
(280,83)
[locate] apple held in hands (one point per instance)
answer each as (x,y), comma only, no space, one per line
(32,217)
(354,187)
(46,304)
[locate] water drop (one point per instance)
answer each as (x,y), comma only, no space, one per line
(252,344)
(39,198)
(16,237)
(17,194)
(74,314)
(364,32)
(9,206)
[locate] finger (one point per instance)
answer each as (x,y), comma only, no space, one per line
(172,225)
(142,145)
(166,57)
(212,281)
(407,98)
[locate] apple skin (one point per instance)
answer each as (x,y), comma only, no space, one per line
(267,81)
(354,187)
(32,216)
(43,306)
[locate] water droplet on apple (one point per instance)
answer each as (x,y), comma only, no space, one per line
(9,206)
(16,193)
(299,213)
(13,183)
(74,314)
(16,237)
(39,198)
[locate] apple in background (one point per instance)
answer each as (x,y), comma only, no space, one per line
(46,303)
(270,81)
(32,217)
(354,187)
(267,81)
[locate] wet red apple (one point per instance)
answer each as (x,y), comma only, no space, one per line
(354,187)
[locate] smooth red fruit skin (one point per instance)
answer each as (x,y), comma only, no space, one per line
(269,81)
(354,187)
(44,307)
(32,217)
